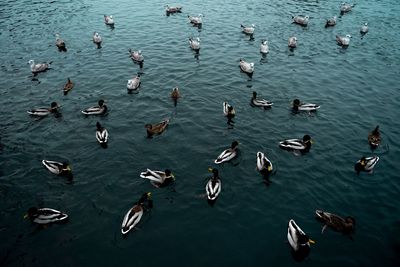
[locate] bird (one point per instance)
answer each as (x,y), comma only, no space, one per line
(40,67)
(248,29)
(41,112)
(96,110)
(60,43)
(136,56)
(302,145)
(264,49)
(345,7)
(175,94)
(364,28)
(156,129)
(298,240)
(213,186)
(292,42)
(134,83)
(330,22)
(303,21)
(298,106)
(264,165)
(97,39)
(258,102)
(58,168)
(158,178)
(229,112)
(108,20)
(374,138)
(68,86)
(343,41)
(228,154)
(45,215)
(196,20)
(246,67)
(133,216)
(194,43)
(101,134)
(173,9)
(366,164)
(335,222)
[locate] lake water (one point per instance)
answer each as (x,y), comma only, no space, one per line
(356,87)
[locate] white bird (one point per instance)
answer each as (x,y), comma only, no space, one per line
(136,56)
(263,163)
(109,20)
(303,21)
(292,42)
(97,38)
(133,216)
(258,102)
(345,7)
(298,240)
(264,49)
(40,67)
(194,43)
(196,20)
(173,9)
(248,29)
(227,154)
(45,215)
(343,41)
(366,164)
(101,134)
(134,83)
(330,22)
(246,67)
(364,28)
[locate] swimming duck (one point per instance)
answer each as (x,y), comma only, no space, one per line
(364,28)
(196,20)
(345,7)
(337,223)
(297,144)
(213,187)
(248,29)
(228,154)
(60,43)
(258,102)
(264,49)
(374,138)
(41,112)
(298,240)
(96,110)
(246,67)
(343,41)
(303,21)
(175,94)
(108,20)
(194,43)
(134,83)
(264,165)
(133,216)
(292,42)
(68,86)
(40,67)
(101,134)
(298,106)
(97,39)
(58,168)
(136,56)
(45,215)
(157,128)
(158,178)
(229,112)
(330,22)
(366,164)
(173,9)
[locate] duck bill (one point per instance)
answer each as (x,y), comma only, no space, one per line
(311,241)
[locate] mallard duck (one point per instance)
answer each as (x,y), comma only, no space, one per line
(101,134)
(108,20)
(246,67)
(258,102)
(194,43)
(248,29)
(298,106)
(264,165)
(68,86)
(45,215)
(97,39)
(343,41)
(364,28)
(337,223)
(298,240)
(175,94)
(213,187)
(157,128)
(40,67)
(58,168)
(229,112)
(228,154)
(330,22)
(374,138)
(292,42)
(96,110)
(297,144)
(133,216)
(345,7)
(41,112)
(196,20)
(136,56)
(158,178)
(60,43)
(134,83)
(264,49)
(366,164)
(173,9)
(303,21)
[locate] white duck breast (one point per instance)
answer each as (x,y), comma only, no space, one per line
(47,215)
(134,83)
(156,176)
(364,28)
(308,107)
(294,232)
(131,219)
(108,20)
(102,136)
(94,110)
(301,20)
(246,66)
(40,112)
(226,107)
(261,103)
(35,68)
(225,156)
(263,162)
(194,43)
(137,56)
(53,166)
(97,38)
(264,47)
(292,43)
(370,163)
(213,190)
(295,144)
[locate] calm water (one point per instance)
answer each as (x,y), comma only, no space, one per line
(356,87)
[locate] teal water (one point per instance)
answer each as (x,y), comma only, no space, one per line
(356,87)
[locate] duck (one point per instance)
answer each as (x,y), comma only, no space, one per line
(292,42)
(374,138)
(229,112)
(364,28)
(258,102)
(213,187)
(227,154)
(246,67)
(60,43)
(175,94)
(133,216)
(157,128)
(134,83)
(108,20)
(40,67)
(101,134)
(136,56)
(196,20)
(58,168)
(41,112)
(194,43)
(366,164)
(264,165)
(298,106)
(303,145)
(330,22)
(96,110)
(343,41)
(303,21)
(97,39)
(68,86)
(298,240)
(45,215)
(248,29)
(158,178)
(264,49)
(346,7)
(173,9)
(335,222)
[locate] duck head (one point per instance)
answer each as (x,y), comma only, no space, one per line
(31,213)
(307,141)
(168,173)
(296,104)
(350,224)
(101,102)
(98,126)
(254,95)
(234,145)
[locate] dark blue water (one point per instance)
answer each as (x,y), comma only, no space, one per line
(356,87)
